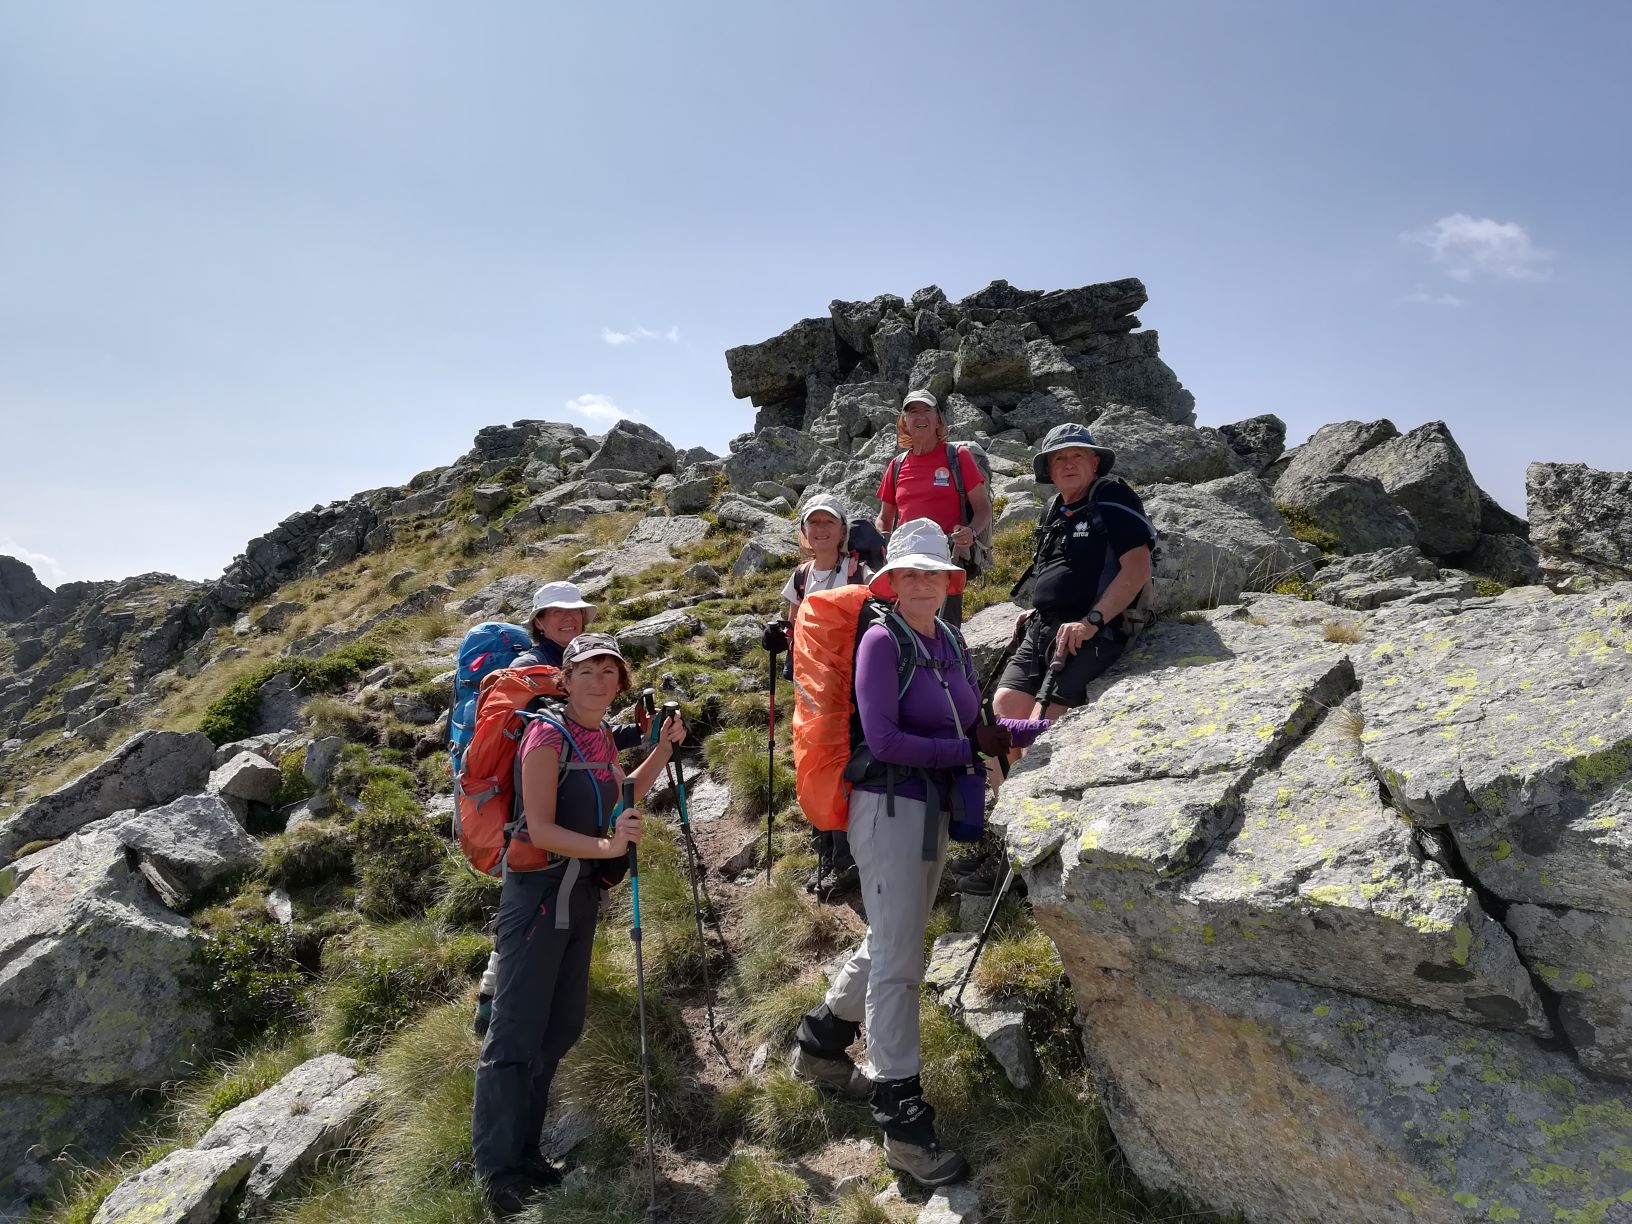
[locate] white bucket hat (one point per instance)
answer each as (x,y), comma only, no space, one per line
(917,544)
(562,595)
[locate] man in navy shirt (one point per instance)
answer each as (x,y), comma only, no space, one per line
(1093,558)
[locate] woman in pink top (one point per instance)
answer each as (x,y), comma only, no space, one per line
(919,484)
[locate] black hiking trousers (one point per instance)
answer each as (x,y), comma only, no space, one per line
(538,1013)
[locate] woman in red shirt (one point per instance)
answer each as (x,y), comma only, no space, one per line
(919,484)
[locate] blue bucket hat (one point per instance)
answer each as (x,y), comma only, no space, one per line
(1065,437)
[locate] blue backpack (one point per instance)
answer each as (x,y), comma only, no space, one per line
(486,648)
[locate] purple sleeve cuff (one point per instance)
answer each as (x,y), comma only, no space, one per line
(1023,731)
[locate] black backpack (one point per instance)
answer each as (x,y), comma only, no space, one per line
(1140,614)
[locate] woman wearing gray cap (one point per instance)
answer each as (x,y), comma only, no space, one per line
(547,915)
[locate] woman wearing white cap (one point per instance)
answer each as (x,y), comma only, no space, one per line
(923,482)
(823,532)
(560,613)
(919,765)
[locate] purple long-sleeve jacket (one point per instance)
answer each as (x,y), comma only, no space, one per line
(920,730)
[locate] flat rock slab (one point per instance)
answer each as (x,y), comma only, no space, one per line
(150,768)
(314,1110)
(651,543)
(186,1187)
(648,636)
(1360,1111)
(1147,774)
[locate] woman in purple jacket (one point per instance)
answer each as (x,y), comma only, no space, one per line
(920,766)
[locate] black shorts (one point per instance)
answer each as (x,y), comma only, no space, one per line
(1028,669)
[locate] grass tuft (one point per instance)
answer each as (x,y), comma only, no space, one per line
(1343,631)
(756,1190)
(1025,967)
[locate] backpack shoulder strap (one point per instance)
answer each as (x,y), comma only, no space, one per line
(801,579)
(906,646)
(954,460)
(1097,504)
(894,470)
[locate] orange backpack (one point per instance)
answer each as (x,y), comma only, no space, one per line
(486,818)
(827,629)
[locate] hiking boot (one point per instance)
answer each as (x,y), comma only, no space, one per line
(541,1172)
(981,879)
(927,1164)
(509,1199)
(484,1014)
(836,1074)
(829,882)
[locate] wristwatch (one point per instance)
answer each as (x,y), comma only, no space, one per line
(1095,618)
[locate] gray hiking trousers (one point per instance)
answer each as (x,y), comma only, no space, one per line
(880,982)
(538,1013)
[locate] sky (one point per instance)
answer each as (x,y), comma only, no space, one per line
(261,256)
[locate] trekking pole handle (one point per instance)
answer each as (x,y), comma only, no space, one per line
(628,804)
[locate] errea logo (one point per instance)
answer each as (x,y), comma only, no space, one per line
(1082,528)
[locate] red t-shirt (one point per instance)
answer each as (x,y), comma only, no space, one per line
(923,487)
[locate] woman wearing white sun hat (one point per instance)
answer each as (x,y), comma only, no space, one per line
(921,763)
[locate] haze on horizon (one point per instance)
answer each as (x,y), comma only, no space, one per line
(262,256)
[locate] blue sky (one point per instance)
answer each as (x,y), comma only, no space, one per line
(255,257)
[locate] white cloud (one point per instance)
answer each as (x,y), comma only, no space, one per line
(640,333)
(600,410)
(1471,246)
(1421,297)
(47,569)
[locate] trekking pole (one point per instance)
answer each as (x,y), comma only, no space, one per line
(652,1209)
(677,780)
(775,640)
(1043,696)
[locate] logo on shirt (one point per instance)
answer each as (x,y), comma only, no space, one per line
(943,477)
(1081,528)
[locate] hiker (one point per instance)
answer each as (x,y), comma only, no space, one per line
(560,613)
(1093,558)
(547,915)
(919,764)
(922,483)
(823,533)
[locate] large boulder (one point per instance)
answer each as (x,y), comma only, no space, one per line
(990,359)
(1581,523)
(1508,559)
(1355,509)
(93,973)
(988,634)
(1150,450)
(648,636)
(150,768)
(1219,539)
(187,846)
(1259,440)
(631,446)
(1257,936)
(1331,448)
(772,547)
(1072,314)
(1427,475)
(894,348)
(776,369)
(21,593)
(786,456)
(855,322)
(44,1130)
(1040,411)
(1127,370)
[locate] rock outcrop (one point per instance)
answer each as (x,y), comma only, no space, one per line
(1581,522)
(1351,906)
(21,593)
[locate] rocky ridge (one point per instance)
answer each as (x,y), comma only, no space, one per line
(1265,834)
